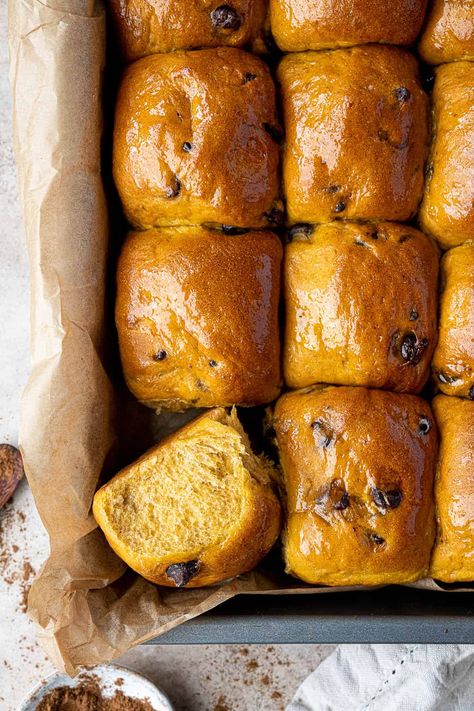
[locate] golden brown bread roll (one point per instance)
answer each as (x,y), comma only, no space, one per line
(298,25)
(356,125)
(358,468)
(453,555)
(196,140)
(361,305)
(449,32)
(453,361)
(197,317)
(447,211)
(196,509)
(151,26)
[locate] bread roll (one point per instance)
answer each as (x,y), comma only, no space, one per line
(453,361)
(449,32)
(361,305)
(197,317)
(298,25)
(151,26)
(447,211)
(358,468)
(453,554)
(196,509)
(356,124)
(196,140)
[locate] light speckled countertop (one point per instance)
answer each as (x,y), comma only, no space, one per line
(199,678)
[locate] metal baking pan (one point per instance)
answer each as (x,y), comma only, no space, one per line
(388,615)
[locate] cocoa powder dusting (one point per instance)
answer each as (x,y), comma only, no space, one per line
(87,696)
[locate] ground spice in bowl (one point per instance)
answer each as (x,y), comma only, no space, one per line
(87,696)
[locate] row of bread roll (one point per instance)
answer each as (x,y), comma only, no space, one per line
(150,26)
(358,470)
(197,313)
(197,141)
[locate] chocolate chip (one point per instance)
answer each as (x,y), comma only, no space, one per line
(213,363)
(275,216)
(231,230)
(340,206)
(331,189)
(414,315)
(249,77)
(424,426)
(402,94)
(383,135)
(471,393)
(161,355)
(273,132)
(446,379)
(302,228)
(386,499)
(182,573)
(404,238)
(343,502)
(322,433)
(187,146)
(411,349)
(225,17)
(174,190)
(374,538)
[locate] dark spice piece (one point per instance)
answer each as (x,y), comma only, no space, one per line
(182,573)
(404,238)
(414,315)
(161,355)
(323,433)
(249,77)
(402,94)
(331,189)
(412,349)
(360,243)
(174,189)
(386,499)
(213,363)
(343,502)
(446,379)
(374,538)
(424,426)
(471,393)
(225,17)
(187,146)
(340,206)
(11,471)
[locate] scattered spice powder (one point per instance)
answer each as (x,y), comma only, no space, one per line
(221,704)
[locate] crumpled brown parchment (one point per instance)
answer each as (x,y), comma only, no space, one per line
(89,608)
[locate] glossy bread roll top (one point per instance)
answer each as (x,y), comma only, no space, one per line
(447,211)
(150,26)
(197,317)
(453,554)
(196,140)
(453,361)
(361,305)
(449,32)
(358,469)
(298,25)
(356,123)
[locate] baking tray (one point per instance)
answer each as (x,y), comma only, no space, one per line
(388,615)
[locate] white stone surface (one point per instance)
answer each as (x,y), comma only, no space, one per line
(206,678)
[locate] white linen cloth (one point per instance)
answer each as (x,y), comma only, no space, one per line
(397,677)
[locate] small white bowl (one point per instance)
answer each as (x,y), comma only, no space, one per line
(106,675)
